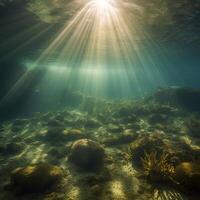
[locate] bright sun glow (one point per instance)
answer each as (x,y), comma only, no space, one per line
(102,4)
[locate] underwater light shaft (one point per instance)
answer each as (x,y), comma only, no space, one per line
(101,50)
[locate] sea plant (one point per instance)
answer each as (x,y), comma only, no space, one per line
(158,168)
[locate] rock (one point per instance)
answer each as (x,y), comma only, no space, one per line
(96,189)
(87,154)
(13,148)
(186,98)
(58,153)
(60,135)
(141,110)
(55,133)
(126,137)
(92,123)
(134,126)
(188,175)
(114,128)
(54,123)
(59,117)
(124,111)
(10,148)
(158,119)
(129,119)
(35,178)
(73,134)
(193,126)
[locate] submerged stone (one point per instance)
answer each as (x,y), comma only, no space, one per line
(188,175)
(10,149)
(114,128)
(58,152)
(73,134)
(87,154)
(13,148)
(35,178)
(158,118)
(54,123)
(186,98)
(193,126)
(92,123)
(124,111)
(126,137)
(55,133)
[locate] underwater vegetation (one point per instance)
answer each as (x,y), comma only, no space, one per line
(112,150)
(157,169)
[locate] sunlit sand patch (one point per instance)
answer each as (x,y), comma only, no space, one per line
(117,190)
(24,152)
(161,194)
(125,185)
(33,154)
(39,154)
(73,193)
(128,169)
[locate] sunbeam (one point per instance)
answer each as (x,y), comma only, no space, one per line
(99,39)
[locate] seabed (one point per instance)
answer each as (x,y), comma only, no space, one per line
(143,149)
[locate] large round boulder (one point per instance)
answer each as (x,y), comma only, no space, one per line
(87,154)
(35,178)
(188,176)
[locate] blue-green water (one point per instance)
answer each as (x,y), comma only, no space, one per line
(99,100)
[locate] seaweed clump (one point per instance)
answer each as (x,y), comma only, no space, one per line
(158,168)
(154,142)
